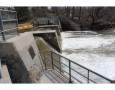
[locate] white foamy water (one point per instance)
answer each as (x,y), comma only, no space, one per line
(85,42)
(101,63)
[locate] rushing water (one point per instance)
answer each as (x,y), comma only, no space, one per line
(92,50)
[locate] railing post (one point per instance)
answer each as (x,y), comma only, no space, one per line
(60,64)
(1,81)
(52,60)
(70,72)
(88,77)
(44,59)
(17,25)
(3,36)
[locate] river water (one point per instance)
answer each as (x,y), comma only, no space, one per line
(92,50)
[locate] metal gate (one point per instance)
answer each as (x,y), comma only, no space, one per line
(8,22)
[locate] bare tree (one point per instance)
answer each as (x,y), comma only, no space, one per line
(39,11)
(73,13)
(96,13)
(23,13)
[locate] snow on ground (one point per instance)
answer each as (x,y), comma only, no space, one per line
(88,55)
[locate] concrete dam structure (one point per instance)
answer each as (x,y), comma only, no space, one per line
(20,58)
(23,58)
(35,57)
(51,37)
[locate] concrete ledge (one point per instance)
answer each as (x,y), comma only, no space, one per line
(5,74)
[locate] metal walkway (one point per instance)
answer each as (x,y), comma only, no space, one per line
(55,77)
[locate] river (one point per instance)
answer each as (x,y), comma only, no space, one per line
(92,50)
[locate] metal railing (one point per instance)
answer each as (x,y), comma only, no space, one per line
(8,23)
(0,73)
(72,71)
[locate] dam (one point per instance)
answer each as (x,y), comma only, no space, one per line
(35,56)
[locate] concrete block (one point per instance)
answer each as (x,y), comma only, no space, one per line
(16,50)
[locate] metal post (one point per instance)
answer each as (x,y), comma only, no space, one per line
(44,59)
(52,60)
(60,63)
(1,80)
(88,77)
(17,24)
(3,35)
(70,72)
(17,31)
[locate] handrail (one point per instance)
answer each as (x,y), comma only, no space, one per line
(70,68)
(8,29)
(0,73)
(7,10)
(84,67)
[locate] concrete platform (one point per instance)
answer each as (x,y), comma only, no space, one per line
(47,26)
(46,31)
(5,74)
(51,76)
(45,80)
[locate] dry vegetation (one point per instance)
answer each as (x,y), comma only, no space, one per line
(94,18)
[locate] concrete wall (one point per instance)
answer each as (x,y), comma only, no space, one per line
(22,68)
(53,20)
(68,24)
(45,52)
(42,45)
(51,37)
